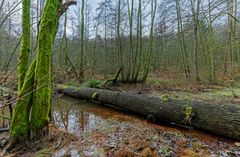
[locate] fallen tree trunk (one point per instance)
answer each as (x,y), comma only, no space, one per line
(221,119)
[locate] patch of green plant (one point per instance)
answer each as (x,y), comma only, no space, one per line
(70,83)
(221,95)
(228,92)
(92,83)
(165,97)
(187,110)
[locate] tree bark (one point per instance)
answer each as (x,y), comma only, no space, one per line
(31,113)
(221,119)
(150,44)
(25,47)
(182,44)
(81,67)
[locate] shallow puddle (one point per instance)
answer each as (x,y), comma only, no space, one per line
(79,117)
(102,131)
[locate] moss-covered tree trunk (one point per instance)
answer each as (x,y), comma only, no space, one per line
(42,79)
(21,121)
(35,94)
(25,47)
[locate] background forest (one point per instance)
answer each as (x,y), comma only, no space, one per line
(179,60)
(195,40)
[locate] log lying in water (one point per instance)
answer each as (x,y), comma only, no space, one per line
(221,119)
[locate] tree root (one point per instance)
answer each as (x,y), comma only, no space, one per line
(11,144)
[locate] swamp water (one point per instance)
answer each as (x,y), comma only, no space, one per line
(102,131)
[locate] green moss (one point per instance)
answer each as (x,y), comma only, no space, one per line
(211,95)
(165,98)
(35,94)
(20,121)
(70,83)
(187,110)
(42,96)
(25,47)
(92,83)
(220,95)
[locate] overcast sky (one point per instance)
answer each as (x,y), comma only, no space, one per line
(16,18)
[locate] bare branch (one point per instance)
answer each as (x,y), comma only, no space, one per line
(65,7)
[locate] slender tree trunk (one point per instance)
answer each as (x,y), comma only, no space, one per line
(181,38)
(212,73)
(81,68)
(130,60)
(7,63)
(228,64)
(195,15)
(150,44)
(25,47)
(105,42)
(119,40)
(65,42)
(94,63)
(140,40)
(235,31)
(230,36)
(87,23)
(1,6)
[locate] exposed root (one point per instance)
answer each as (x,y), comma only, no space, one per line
(10,145)
(56,139)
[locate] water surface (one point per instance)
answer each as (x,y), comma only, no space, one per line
(103,131)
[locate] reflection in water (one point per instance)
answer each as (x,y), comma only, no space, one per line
(89,120)
(79,116)
(103,131)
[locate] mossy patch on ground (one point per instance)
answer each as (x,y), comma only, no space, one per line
(226,95)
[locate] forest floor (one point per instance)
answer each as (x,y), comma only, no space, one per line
(123,135)
(130,139)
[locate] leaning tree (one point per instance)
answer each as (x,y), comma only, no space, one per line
(31,114)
